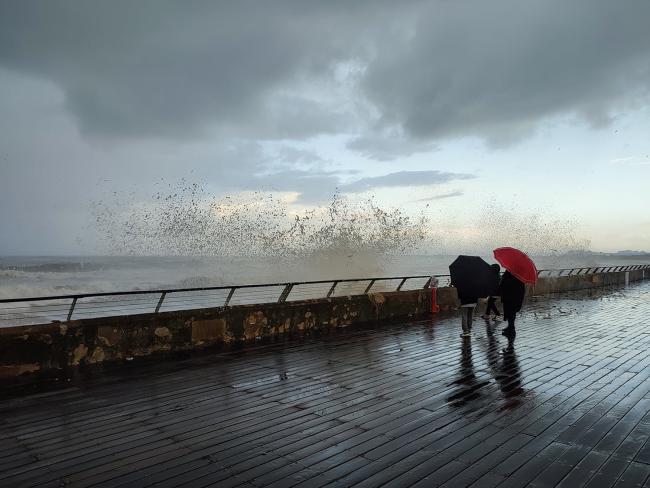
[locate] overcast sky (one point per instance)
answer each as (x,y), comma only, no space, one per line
(542,106)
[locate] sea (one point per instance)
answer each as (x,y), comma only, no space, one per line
(37,276)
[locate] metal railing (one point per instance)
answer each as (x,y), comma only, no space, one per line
(553,273)
(41,310)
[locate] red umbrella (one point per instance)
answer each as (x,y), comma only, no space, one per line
(517,262)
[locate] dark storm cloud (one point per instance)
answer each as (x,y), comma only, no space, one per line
(404,178)
(495,69)
(319,186)
(167,68)
(384,147)
(430,69)
(442,196)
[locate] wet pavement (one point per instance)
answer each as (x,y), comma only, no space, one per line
(566,403)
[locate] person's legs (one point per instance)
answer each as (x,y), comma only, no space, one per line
(487,308)
(470,317)
(466,320)
(492,306)
(510,317)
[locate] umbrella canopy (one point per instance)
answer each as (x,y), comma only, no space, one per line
(517,262)
(473,277)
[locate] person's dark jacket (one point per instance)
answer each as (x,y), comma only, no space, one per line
(496,269)
(512,291)
(466,300)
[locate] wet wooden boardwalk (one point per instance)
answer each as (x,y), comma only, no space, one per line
(567,403)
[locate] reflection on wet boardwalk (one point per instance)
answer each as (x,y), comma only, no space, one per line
(567,403)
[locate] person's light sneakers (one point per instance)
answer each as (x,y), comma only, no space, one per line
(466,334)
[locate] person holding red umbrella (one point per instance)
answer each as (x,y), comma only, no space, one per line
(512,291)
(520,269)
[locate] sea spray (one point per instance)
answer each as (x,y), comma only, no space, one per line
(535,232)
(343,238)
(347,236)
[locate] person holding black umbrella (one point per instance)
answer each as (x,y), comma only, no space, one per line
(472,277)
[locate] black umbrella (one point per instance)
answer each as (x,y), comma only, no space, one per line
(473,278)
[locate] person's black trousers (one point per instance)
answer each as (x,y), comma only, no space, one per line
(491,306)
(510,314)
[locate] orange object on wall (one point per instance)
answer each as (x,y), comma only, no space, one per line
(435,308)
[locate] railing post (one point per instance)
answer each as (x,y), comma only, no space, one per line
(399,287)
(285,293)
(74,302)
(230,294)
(329,293)
(372,282)
(160,301)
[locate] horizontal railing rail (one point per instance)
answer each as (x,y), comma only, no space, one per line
(39,310)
